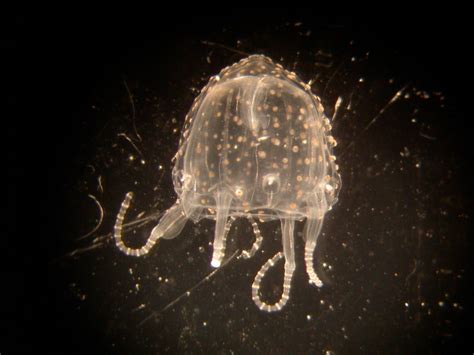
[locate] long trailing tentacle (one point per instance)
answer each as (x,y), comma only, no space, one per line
(289,255)
(170,225)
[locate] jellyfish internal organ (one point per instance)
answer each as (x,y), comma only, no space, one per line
(256,144)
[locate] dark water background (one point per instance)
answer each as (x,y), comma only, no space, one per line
(394,253)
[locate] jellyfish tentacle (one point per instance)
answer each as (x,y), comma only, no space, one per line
(223,201)
(228,224)
(256,285)
(169,227)
(317,207)
(246,254)
(288,225)
(311,232)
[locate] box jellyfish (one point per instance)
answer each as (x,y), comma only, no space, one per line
(256,144)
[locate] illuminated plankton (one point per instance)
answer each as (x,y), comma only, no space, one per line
(255,144)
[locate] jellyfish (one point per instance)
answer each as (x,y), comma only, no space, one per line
(256,144)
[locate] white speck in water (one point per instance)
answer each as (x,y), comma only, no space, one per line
(405,152)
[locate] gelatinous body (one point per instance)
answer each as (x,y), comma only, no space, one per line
(256,144)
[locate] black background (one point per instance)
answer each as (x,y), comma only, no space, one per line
(57,66)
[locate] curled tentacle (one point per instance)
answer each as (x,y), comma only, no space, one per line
(317,206)
(313,277)
(289,255)
(311,232)
(170,225)
(246,254)
(286,285)
(258,239)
